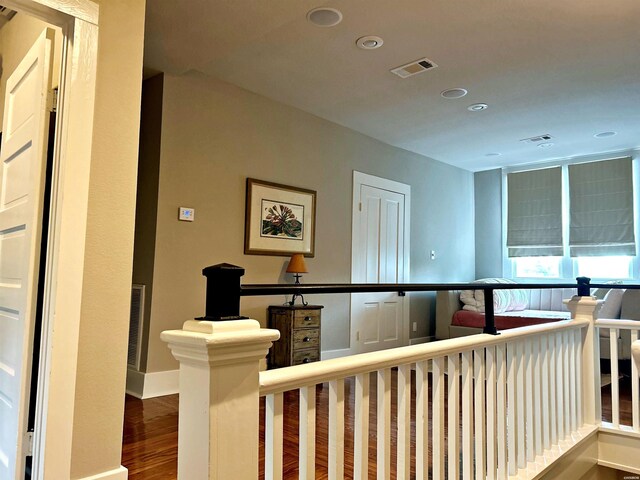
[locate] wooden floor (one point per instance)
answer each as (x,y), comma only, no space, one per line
(150,442)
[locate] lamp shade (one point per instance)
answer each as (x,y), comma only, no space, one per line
(296,264)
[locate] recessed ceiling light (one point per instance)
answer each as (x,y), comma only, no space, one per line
(477,107)
(454,93)
(605,134)
(324,17)
(492,154)
(546,145)
(370,42)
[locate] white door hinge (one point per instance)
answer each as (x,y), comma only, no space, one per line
(360,206)
(28,444)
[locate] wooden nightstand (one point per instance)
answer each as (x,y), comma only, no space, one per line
(299,327)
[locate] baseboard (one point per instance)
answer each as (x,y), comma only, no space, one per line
(341,352)
(116,474)
(154,384)
(418,340)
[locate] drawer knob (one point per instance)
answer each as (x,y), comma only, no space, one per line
(306,360)
(306,339)
(307,319)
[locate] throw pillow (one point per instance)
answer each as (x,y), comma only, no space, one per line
(503,300)
(612,304)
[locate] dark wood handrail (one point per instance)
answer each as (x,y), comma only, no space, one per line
(224,290)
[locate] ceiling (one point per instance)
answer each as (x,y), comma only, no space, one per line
(570,69)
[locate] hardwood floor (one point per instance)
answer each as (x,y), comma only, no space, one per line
(150,441)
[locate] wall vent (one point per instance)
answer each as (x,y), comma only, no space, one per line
(6,13)
(135,326)
(414,68)
(537,139)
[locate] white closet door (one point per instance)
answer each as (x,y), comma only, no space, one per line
(22,178)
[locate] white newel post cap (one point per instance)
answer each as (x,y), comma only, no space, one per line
(218,430)
(583,307)
(212,343)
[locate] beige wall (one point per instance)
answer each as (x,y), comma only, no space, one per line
(16,38)
(100,384)
(215,135)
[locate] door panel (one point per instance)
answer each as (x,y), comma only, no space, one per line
(378,257)
(22,167)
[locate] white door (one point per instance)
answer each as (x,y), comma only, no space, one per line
(22,167)
(379,255)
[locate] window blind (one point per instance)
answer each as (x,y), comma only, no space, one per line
(534,213)
(601,208)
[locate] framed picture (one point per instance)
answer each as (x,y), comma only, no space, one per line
(279,219)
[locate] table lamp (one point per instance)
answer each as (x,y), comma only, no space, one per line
(297,266)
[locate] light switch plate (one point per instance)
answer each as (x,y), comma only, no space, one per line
(186,214)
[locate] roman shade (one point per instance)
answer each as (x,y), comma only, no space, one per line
(601,208)
(534,213)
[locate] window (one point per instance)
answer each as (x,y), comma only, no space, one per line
(537,267)
(604,267)
(571,220)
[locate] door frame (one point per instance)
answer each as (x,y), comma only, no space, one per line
(359,179)
(78,19)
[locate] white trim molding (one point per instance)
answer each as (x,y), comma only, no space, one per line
(150,385)
(115,474)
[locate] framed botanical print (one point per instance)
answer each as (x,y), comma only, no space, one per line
(279,219)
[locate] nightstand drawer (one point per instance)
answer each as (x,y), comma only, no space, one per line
(305,356)
(306,318)
(305,338)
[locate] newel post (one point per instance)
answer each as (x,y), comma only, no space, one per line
(219,397)
(586,308)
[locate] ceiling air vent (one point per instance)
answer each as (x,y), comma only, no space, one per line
(537,139)
(6,13)
(414,68)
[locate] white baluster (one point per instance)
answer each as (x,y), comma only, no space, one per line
(579,387)
(615,391)
(529,395)
(553,399)
(520,405)
(404,422)
(537,395)
(467,414)
(571,340)
(635,403)
(479,413)
(453,416)
(437,415)
(336,429)
(361,428)
(512,413)
(307,435)
(384,424)
(273,437)
(566,384)
(544,355)
(560,399)
(501,411)
(422,420)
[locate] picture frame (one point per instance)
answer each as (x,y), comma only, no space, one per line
(279,219)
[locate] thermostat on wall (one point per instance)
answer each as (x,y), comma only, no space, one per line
(186,214)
